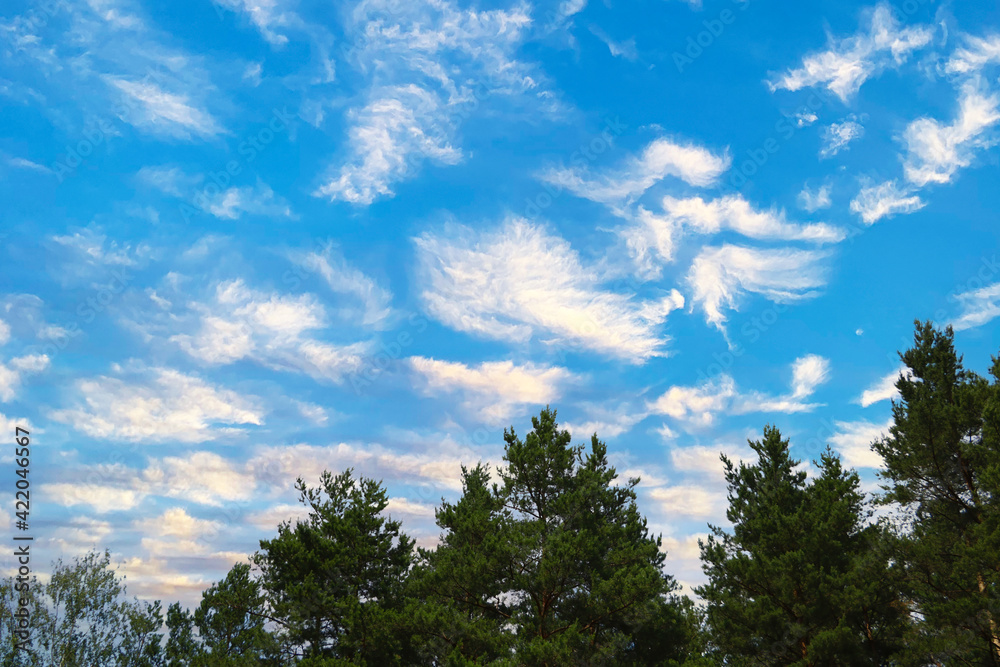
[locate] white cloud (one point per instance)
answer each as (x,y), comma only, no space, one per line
(809,372)
(165,405)
(170,180)
(388,137)
(689,500)
(851,61)
(11,376)
(203,477)
(520,282)
(696,407)
(269,328)
(874,202)
(101,498)
(423,58)
(935,152)
(884,389)
(979,306)
(163,112)
(496,390)
(257,199)
(314,413)
(719,275)
(107,62)
(269,519)
(22,163)
(96,249)
(814,200)
(397,507)
(686,549)
(735,213)
(437,461)
(4,332)
(626,49)
(565,11)
(153,578)
(805,118)
(706,461)
(176,522)
(853,442)
(653,237)
(606,423)
(661,158)
(837,136)
(342,278)
(252,73)
(977,54)
(269,16)
(79,535)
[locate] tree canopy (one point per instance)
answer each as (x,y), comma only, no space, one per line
(547,560)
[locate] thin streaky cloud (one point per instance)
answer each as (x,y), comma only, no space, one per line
(850,61)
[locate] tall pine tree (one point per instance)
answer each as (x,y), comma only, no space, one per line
(553,565)
(942,466)
(794,582)
(334,582)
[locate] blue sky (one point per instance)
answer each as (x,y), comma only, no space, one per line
(249,240)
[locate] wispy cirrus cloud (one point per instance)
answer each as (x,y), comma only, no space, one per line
(979,306)
(92,245)
(849,62)
(653,237)
(374,299)
(853,440)
(660,159)
(697,407)
(278,331)
(426,55)
(934,154)
(23,163)
(388,138)
(520,282)
(164,112)
(258,199)
(720,275)
(837,136)
(157,405)
(813,200)
(618,48)
(874,202)
(977,53)
(936,151)
(270,17)
(226,203)
(104,60)
(884,389)
(494,390)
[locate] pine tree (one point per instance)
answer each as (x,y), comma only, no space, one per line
(553,565)
(231,623)
(334,581)
(794,582)
(942,466)
(458,607)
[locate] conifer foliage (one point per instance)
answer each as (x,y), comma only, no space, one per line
(552,565)
(942,467)
(795,583)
